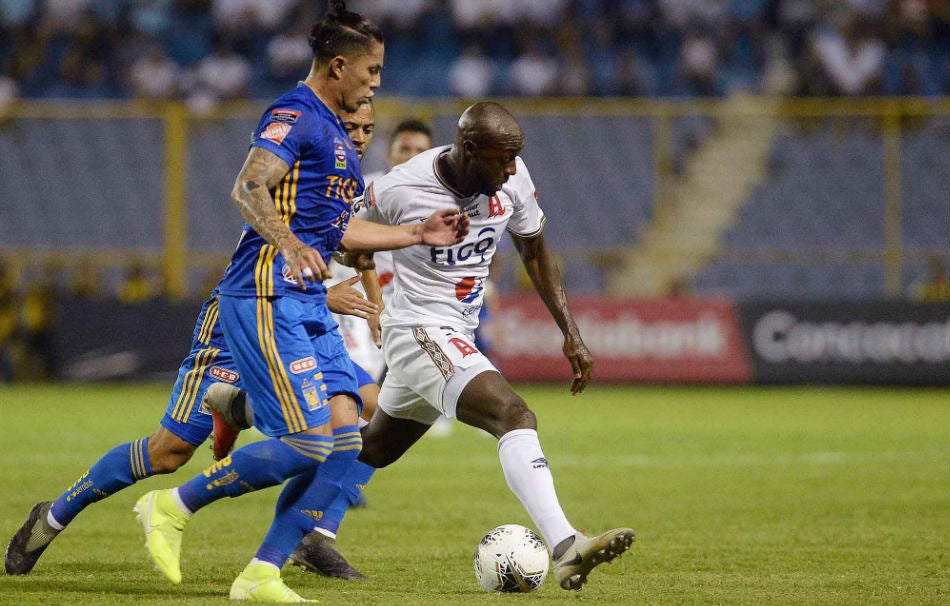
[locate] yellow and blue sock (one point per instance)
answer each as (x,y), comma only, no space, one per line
(122,466)
(356,479)
(304,499)
(254,466)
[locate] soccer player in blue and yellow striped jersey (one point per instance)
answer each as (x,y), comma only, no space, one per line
(295,192)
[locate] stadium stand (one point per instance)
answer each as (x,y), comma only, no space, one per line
(825,198)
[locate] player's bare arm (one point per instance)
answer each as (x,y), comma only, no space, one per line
(374,293)
(546,277)
(343,299)
(443,228)
(261,172)
(366,265)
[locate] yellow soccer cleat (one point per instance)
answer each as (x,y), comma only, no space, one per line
(262,583)
(164,523)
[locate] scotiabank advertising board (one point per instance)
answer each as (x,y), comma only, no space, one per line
(659,340)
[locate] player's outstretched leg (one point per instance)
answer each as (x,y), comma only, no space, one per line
(164,522)
(260,582)
(30,541)
(230,412)
(577,555)
(317,553)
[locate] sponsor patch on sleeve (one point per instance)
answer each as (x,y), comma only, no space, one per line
(370,194)
(288,116)
(276,131)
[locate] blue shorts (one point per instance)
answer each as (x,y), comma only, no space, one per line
(362,377)
(204,366)
(291,360)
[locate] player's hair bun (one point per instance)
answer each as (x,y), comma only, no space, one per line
(337,9)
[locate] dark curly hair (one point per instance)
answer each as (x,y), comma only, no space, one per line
(342,32)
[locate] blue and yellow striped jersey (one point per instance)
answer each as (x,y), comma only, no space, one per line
(314,198)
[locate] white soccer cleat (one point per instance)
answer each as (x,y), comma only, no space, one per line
(586,553)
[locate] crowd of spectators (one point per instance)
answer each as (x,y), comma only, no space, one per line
(210,50)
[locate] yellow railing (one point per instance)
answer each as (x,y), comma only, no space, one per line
(175,259)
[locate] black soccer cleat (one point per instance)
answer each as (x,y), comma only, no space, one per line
(30,541)
(317,553)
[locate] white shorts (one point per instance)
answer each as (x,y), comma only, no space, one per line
(358,339)
(429,366)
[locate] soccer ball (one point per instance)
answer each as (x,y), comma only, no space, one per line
(511,558)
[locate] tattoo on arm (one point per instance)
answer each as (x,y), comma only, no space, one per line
(251,193)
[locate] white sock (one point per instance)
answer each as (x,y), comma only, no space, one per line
(530,479)
(256,561)
(325,532)
(181,504)
(52,521)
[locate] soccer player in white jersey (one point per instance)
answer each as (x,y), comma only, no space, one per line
(409,138)
(428,339)
(434,366)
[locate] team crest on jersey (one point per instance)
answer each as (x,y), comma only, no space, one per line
(339,153)
(276,132)
(288,116)
(495,208)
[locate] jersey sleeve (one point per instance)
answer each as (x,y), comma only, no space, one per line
(368,208)
(527,218)
(281,130)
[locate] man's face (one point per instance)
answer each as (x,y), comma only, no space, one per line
(490,165)
(360,126)
(405,145)
(361,76)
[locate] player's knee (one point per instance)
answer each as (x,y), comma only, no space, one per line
(167,452)
(375,456)
(168,460)
(515,414)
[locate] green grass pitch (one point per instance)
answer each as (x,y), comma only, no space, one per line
(739,496)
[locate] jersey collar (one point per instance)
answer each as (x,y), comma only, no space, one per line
(441,179)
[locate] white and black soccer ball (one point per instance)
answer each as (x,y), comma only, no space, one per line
(512,559)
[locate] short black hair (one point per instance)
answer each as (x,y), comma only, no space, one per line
(413,125)
(341,32)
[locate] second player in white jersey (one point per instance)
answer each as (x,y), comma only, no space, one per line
(445,285)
